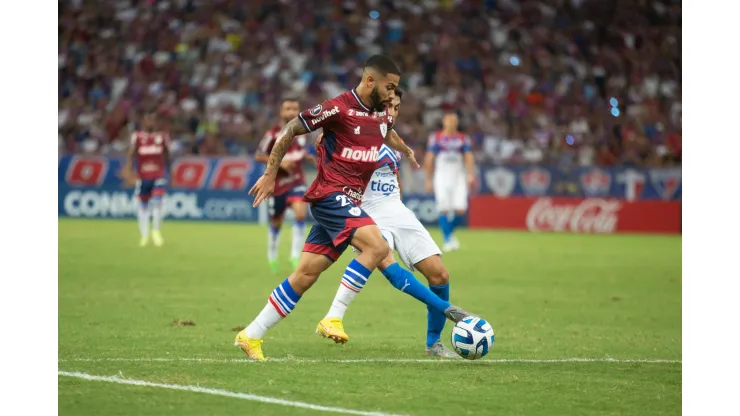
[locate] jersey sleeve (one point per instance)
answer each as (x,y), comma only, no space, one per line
(432,144)
(467,146)
(265,146)
(324,115)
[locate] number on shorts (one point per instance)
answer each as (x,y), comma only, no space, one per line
(271,206)
(343,199)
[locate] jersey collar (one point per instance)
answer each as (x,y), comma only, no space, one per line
(359,101)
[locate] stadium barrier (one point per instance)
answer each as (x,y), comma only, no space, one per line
(532,198)
(575,215)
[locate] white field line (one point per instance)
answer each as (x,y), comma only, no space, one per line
(381,360)
(225,393)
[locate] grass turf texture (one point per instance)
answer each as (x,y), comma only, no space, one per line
(546,295)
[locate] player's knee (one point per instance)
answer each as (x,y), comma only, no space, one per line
(387,260)
(440,276)
(300,216)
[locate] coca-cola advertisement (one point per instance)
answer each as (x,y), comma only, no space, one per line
(575,215)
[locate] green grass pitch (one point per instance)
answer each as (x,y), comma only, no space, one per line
(548,296)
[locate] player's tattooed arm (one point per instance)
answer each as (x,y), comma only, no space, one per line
(282,144)
(394,141)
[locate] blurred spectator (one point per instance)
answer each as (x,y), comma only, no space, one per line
(523,75)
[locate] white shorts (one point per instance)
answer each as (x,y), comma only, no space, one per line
(404,233)
(451,194)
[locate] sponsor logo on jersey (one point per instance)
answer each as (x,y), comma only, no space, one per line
(152,149)
(316,110)
(596,182)
(383,129)
(360,155)
(385,188)
(500,181)
(326,114)
(535,181)
(355,195)
(666,181)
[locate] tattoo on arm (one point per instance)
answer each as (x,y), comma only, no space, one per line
(282,144)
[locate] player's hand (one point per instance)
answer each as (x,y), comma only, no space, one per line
(412,158)
(428,187)
(471,180)
(317,143)
(262,189)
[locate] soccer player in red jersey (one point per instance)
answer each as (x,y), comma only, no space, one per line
(150,148)
(355,125)
(290,185)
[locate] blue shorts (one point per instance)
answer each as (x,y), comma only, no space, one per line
(276,205)
(148,188)
(337,218)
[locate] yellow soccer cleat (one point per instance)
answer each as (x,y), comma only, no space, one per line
(252,347)
(332,328)
(157,238)
(144,241)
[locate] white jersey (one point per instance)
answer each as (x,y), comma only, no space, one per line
(398,224)
(449,151)
(383,186)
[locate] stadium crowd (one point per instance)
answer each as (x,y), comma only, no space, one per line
(559,82)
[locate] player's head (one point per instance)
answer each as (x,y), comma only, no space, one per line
(381,77)
(395,105)
(449,121)
(149,120)
(289,109)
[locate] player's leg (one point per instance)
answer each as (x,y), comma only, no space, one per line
(299,228)
(418,250)
(349,287)
(347,223)
(318,255)
(439,283)
(156,203)
(459,205)
(143,194)
(442,198)
(276,209)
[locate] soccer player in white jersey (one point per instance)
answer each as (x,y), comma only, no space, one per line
(404,233)
(450,169)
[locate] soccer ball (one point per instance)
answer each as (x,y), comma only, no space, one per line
(472,338)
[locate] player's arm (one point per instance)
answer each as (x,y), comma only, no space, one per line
(128,167)
(432,150)
(469,161)
(166,154)
(400,186)
(283,140)
(394,141)
(324,115)
(262,154)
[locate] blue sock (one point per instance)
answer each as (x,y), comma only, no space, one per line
(284,298)
(436,320)
(355,276)
(446,226)
(459,220)
(405,281)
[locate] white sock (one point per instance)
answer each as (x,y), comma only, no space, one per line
(273,242)
(299,237)
(268,318)
(143,216)
(157,215)
(280,304)
(341,302)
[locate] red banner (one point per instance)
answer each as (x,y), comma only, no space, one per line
(576,215)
